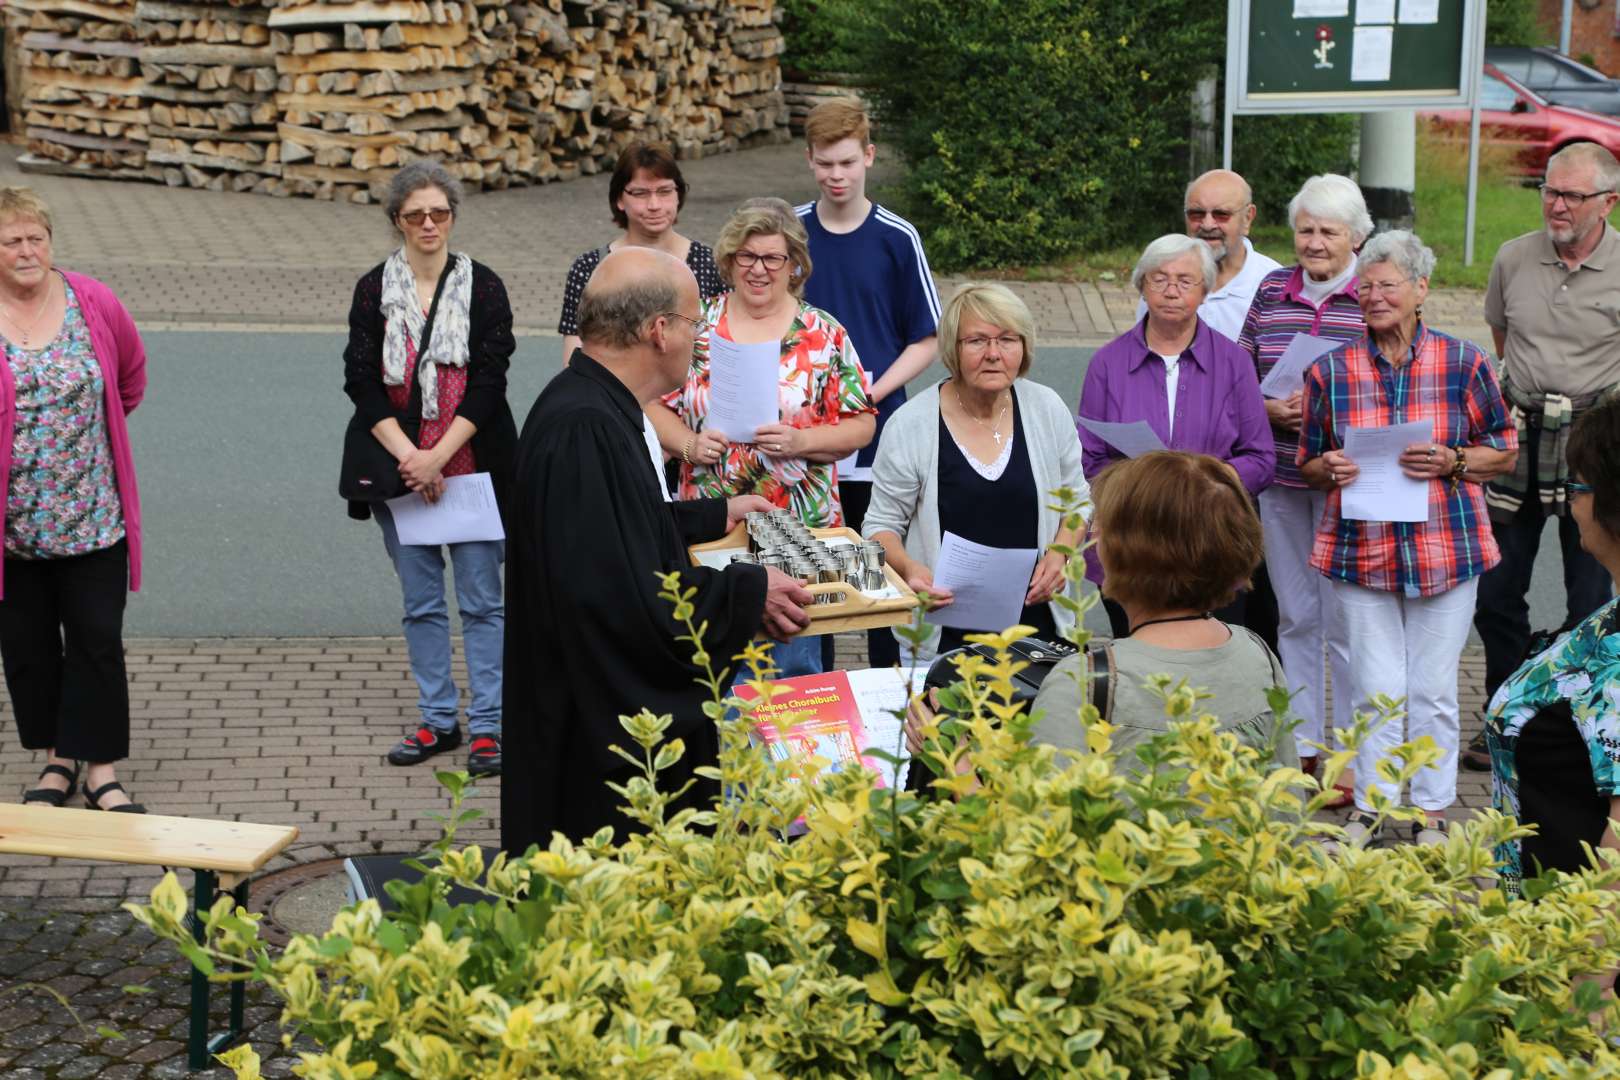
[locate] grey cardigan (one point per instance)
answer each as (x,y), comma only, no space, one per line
(905,474)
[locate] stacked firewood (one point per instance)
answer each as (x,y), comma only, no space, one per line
(310,97)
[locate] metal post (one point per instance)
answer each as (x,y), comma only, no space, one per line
(1564,26)
(1234,30)
(1477,52)
(197,1045)
(238,988)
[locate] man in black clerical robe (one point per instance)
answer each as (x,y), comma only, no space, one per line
(588,638)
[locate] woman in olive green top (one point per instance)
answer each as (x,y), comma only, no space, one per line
(1177,537)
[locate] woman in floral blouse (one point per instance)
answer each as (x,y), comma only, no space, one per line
(824,394)
(1553,729)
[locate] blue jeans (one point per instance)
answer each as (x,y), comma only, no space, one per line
(427,626)
(801,656)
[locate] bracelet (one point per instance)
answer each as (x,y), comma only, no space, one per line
(686,451)
(1459,468)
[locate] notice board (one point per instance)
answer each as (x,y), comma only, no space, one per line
(1351,55)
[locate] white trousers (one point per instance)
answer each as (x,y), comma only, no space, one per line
(1408,647)
(1308,619)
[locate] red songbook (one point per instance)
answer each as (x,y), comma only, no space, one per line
(826,721)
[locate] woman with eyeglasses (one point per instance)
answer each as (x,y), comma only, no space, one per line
(978,456)
(826,409)
(1405,589)
(645,197)
(442,322)
(1193,388)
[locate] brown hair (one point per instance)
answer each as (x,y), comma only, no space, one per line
(657,159)
(1593,454)
(837,120)
(23,202)
(765,216)
(1174,530)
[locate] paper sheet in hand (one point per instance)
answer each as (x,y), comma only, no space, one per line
(466,511)
(848,470)
(988,584)
(1133,439)
(1381,491)
(743,382)
(1288,374)
(881,694)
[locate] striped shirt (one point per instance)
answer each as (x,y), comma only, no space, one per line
(1446,381)
(1279,313)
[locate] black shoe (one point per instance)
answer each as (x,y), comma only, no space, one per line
(51,796)
(416,748)
(92,799)
(1478,755)
(484,757)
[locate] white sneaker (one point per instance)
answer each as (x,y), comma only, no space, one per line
(1364,830)
(1431,831)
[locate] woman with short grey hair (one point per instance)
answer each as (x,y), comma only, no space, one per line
(1192,387)
(1405,588)
(430,339)
(1312,303)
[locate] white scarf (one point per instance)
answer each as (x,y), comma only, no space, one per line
(403,319)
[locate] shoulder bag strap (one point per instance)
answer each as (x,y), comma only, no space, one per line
(413,409)
(1100,668)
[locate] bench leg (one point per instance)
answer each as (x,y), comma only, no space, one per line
(200,1046)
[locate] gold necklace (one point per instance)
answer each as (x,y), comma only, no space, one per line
(24,333)
(994,427)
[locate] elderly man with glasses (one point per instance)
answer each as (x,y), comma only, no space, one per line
(1553,303)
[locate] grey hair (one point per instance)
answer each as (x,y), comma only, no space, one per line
(1590,153)
(1332,197)
(1168,248)
(1409,254)
(615,317)
(421,173)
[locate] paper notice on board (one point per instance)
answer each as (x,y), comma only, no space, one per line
(1375,11)
(1418,12)
(1321,9)
(1370,53)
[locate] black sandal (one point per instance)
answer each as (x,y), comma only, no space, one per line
(51,796)
(92,799)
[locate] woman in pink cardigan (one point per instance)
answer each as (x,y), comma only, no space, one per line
(74,369)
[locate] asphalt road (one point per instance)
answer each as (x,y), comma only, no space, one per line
(237,450)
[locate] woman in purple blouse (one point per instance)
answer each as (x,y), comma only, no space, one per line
(1193,387)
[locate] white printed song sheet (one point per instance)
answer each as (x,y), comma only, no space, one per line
(1381,491)
(1375,11)
(1321,9)
(1133,439)
(465,512)
(1419,12)
(880,694)
(1287,375)
(743,382)
(1371,52)
(988,584)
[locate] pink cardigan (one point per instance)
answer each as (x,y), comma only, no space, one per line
(122,357)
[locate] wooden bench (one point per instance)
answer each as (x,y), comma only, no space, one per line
(222,854)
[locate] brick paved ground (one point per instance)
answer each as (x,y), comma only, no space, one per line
(294,731)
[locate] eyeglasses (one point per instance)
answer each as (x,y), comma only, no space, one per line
(1573,199)
(414,218)
(1161,283)
(1575,487)
(668,191)
(1220,216)
(1368,289)
(750,259)
(1005,343)
(699,326)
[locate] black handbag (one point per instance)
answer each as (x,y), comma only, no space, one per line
(369,472)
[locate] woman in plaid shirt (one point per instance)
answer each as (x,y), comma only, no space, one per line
(1406,589)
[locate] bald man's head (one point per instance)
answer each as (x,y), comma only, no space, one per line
(1220,209)
(631,287)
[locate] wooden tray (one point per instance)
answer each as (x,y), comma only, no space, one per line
(856,611)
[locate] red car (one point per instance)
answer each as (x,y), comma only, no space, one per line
(1513,117)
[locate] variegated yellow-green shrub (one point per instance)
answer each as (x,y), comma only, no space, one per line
(1063,918)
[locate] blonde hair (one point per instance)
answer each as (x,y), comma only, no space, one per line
(837,120)
(22,202)
(994,304)
(765,217)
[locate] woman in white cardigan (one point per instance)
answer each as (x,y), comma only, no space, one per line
(978,456)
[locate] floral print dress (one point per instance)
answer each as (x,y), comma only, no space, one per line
(1554,735)
(63,493)
(822,382)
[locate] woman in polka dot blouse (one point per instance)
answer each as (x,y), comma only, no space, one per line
(645,196)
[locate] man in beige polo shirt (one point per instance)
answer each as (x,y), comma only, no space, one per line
(1553,303)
